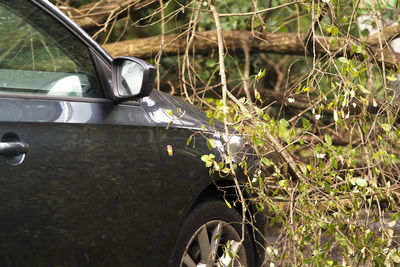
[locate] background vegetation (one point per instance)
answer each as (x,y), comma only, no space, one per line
(312,83)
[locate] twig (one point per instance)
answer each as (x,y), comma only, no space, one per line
(246,71)
(221,55)
(258,11)
(159,55)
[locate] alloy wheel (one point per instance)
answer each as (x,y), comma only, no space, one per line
(215,244)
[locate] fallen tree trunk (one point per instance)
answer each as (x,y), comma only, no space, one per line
(100,14)
(205,42)
(96,14)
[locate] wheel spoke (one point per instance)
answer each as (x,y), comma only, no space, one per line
(216,237)
(215,244)
(204,244)
(188,261)
(226,259)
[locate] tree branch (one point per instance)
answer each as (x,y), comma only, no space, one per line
(204,42)
(387,34)
(96,14)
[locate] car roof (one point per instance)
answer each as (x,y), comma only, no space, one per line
(74,28)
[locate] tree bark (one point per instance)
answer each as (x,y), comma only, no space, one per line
(96,14)
(387,34)
(205,42)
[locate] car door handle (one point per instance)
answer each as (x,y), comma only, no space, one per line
(13,148)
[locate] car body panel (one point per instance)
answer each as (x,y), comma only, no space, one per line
(89,180)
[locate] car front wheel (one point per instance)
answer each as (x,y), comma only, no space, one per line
(211,236)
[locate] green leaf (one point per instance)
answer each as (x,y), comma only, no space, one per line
(226,170)
(391,78)
(386,127)
(357,49)
(334,162)
(189,140)
(258,142)
(343,60)
(395,258)
(334,41)
(211,143)
(306,123)
(216,166)
(335,115)
(260,74)
(327,187)
(361,182)
(227,203)
(221,165)
(208,159)
(395,217)
(210,62)
(362,88)
(169,124)
(322,225)
(279,198)
(332,29)
(328,139)
(235,166)
(266,162)
(283,183)
(169,112)
(284,123)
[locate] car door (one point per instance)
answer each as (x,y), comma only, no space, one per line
(88,191)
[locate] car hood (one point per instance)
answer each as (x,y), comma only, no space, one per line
(160,105)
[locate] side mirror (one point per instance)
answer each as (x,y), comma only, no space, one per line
(132,78)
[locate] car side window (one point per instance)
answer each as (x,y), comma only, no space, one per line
(40,56)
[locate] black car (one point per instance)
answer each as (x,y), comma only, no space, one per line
(94,169)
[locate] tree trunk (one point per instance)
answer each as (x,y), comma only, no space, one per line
(205,42)
(97,14)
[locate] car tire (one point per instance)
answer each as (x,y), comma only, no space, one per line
(208,237)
